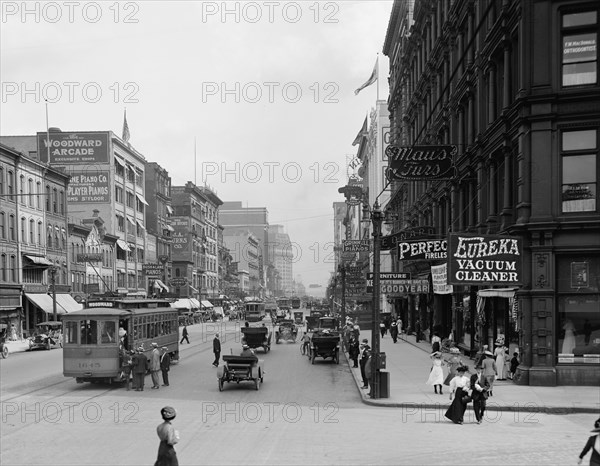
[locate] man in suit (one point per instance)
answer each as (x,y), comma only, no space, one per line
(155,365)
(363,357)
(489,370)
(479,387)
(216,350)
(140,367)
(184,335)
(165,365)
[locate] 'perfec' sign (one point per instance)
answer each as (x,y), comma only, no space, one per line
(484,260)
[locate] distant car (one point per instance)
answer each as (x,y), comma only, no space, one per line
(49,336)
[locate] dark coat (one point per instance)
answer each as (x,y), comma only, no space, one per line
(595,458)
(165,362)
(216,345)
(140,363)
(483,383)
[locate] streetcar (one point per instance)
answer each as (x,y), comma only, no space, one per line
(94,337)
(284,304)
(255,311)
(296,302)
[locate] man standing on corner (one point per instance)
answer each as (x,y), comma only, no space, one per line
(364,356)
(216,350)
(155,365)
(165,365)
(140,366)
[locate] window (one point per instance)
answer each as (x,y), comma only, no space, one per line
(119,194)
(62,203)
(22,189)
(13,268)
(47,198)
(23,236)
(10,183)
(30,192)
(130,198)
(579,48)
(11,228)
(70,336)
(49,241)
(120,223)
(3,268)
(107,332)
(579,170)
(39,193)
(1,180)
(2,225)
(39,233)
(89,332)
(31,231)
(55,200)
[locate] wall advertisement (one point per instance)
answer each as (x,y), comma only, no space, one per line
(89,186)
(82,148)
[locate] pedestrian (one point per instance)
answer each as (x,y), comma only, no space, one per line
(216,349)
(356,331)
(593,444)
(418,330)
(155,365)
(481,355)
(165,365)
(126,366)
(369,370)
(184,335)
(514,363)
(140,367)
(168,438)
(13,332)
(436,342)
(479,393)
(489,370)
(394,331)
(436,375)
(354,350)
(364,349)
(454,362)
(382,329)
(346,336)
(459,387)
(500,354)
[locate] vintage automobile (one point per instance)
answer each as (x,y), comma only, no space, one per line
(257,337)
(48,336)
(325,342)
(240,369)
(286,330)
(299,317)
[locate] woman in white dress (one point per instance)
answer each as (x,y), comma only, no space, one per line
(500,354)
(436,376)
(569,341)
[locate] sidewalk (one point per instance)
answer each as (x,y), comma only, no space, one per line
(408,364)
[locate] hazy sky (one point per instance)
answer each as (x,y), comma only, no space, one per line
(265,88)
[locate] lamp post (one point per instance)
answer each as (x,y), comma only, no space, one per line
(343,277)
(53,269)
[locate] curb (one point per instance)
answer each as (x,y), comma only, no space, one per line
(490,406)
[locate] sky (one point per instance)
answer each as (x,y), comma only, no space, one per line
(252,99)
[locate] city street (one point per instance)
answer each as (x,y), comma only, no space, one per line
(302,414)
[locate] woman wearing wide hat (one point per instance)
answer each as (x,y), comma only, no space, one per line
(436,376)
(453,363)
(489,370)
(459,388)
(593,443)
(500,354)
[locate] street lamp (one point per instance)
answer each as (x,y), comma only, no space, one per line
(377,218)
(53,269)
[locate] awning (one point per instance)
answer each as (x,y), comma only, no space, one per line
(161,285)
(206,304)
(38,260)
(130,220)
(140,224)
(45,303)
(192,288)
(170,228)
(68,303)
(195,302)
(141,198)
(186,303)
(170,209)
(123,245)
(497,293)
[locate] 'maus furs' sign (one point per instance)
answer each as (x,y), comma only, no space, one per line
(484,260)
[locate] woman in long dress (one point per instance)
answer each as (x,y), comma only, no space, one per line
(436,376)
(454,362)
(569,341)
(500,354)
(459,387)
(168,437)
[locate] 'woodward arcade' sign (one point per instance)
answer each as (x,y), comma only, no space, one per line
(480,259)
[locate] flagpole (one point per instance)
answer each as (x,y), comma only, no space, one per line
(377,76)
(195,170)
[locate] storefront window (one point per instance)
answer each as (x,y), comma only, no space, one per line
(578,316)
(579,48)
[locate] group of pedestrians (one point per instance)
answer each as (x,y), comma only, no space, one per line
(135,365)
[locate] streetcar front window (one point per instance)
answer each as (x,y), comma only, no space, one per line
(107,331)
(70,336)
(89,332)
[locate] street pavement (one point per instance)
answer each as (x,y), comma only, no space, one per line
(408,364)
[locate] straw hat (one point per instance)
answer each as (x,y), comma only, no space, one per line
(454,350)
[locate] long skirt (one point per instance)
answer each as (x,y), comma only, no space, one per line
(166,455)
(456,411)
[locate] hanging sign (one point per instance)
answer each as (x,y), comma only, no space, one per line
(439,279)
(420,162)
(484,260)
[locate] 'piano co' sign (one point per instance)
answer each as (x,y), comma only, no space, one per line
(420,162)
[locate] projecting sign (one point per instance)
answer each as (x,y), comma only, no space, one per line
(413,233)
(356,245)
(401,287)
(390,276)
(481,259)
(430,249)
(178,282)
(152,269)
(89,257)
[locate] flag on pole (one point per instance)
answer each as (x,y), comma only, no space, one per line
(126,134)
(371,79)
(361,133)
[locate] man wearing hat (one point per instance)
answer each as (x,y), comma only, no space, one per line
(364,354)
(165,365)
(216,350)
(168,438)
(155,365)
(247,352)
(140,366)
(593,444)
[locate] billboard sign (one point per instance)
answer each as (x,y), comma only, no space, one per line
(484,260)
(89,187)
(82,148)
(356,245)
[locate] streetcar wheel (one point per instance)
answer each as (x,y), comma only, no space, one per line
(4,352)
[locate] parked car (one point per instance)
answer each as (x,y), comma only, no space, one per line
(48,336)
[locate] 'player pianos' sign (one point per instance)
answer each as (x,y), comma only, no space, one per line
(484,260)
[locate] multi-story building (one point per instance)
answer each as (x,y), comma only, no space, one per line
(158,229)
(33,239)
(524,116)
(281,254)
(210,280)
(244,249)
